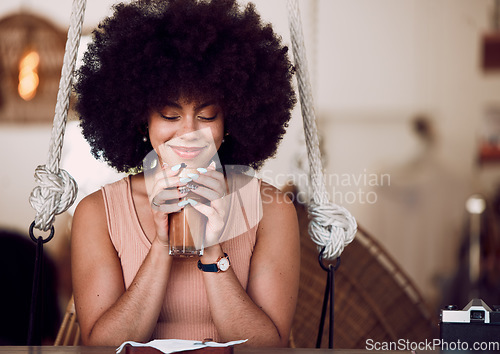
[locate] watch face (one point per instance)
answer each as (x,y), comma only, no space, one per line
(223,264)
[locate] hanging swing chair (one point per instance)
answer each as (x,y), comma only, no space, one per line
(374,298)
(331,227)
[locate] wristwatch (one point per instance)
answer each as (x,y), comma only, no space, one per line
(221,265)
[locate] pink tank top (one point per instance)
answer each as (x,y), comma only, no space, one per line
(185,313)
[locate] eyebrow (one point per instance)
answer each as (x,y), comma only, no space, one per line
(198,107)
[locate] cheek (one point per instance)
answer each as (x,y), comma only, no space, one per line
(217,137)
(218,133)
(159,133)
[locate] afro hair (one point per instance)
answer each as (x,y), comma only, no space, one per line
(151,52)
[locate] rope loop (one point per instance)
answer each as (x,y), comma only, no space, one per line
(54,194)
(331,227)
(330,267)
(36,239)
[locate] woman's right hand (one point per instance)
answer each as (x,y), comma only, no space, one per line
(164,197)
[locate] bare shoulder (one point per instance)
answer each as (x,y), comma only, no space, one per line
(91,201)
(279,217)
(274,200)
(89,220)
(91,208)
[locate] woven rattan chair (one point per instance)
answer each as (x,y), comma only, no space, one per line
(374,299)
(69,332)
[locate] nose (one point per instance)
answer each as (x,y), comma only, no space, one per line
(189,129)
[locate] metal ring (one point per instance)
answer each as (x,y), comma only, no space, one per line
(35,239)
(330,266)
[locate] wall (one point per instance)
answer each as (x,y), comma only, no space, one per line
(380,64)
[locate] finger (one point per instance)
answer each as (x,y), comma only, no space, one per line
(166,184)
(166,208)
(215,221)
(166,176)
(169,195)
(174,168)
(212,180)
(216,216)
(166,173)
(207,194)
(210,172)
(160,180)
(170,206)
(214,226)
(206,210)
(221,205)
(215,182)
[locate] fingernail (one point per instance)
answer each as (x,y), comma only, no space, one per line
(183,203)
(185,180)
(194,176)
(176,167)
(192,201)
(202,170)
(212,165)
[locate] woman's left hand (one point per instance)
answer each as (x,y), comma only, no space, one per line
(212,186)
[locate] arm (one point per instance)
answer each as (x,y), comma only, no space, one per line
(263,313)
(108,314)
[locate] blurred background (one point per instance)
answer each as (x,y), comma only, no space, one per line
(407,98)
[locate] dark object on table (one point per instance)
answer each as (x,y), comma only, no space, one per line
(477,324)
(150,350)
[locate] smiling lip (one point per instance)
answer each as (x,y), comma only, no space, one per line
(187,152)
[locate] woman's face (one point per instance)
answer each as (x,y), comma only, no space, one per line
(187,132)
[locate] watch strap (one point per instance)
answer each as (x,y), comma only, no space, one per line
(211,267)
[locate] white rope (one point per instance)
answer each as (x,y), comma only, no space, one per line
(56,190)
(332,227)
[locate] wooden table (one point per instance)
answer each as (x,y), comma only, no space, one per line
(237,350)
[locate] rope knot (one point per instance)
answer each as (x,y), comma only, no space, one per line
(54,194)
(332,227)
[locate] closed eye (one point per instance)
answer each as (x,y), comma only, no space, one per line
(207,118)
(169,117)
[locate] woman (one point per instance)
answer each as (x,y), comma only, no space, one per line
(204,85)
